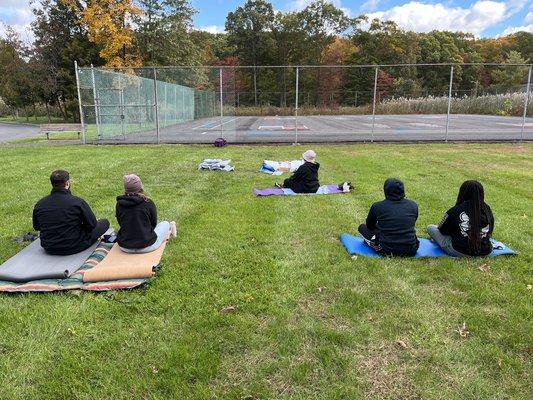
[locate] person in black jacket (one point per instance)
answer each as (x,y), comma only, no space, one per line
(137,216)
(66,223)
(466,228)
(305,178)
(390,225)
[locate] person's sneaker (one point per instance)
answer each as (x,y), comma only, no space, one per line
(173,229)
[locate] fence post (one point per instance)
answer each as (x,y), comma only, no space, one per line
(296,107)
(526,103)
(374,103)
(96,110)
(79,102)
(221,102)
(156,105)
(449,104)
(255,85)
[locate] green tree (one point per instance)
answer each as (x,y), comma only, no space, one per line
(321,22)
(60,39)
(164,33)
(17,84)
(512,77)
(249,30)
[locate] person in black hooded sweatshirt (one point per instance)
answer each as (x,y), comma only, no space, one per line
(466,228)
(305,178)
(137,216)
(390,225)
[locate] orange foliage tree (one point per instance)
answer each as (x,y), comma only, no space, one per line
(108,24)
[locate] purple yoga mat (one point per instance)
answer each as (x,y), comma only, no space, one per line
(325,189)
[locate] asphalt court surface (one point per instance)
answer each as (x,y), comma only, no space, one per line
(341,128)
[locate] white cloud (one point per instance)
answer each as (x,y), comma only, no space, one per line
(18,15)
(213,29)
(423,17)
(370,5)
(529,17)
(514,29)
(514,6)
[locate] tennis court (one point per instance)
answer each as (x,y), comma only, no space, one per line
(338,128)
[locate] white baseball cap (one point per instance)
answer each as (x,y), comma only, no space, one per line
(309,156)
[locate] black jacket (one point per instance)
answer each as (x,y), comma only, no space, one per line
(456,224)
(304,179)
(137,218)
(65,222)
(395,219)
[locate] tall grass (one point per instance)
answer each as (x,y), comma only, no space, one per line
(511,104)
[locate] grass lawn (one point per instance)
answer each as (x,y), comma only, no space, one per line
(309,321)
(31,120)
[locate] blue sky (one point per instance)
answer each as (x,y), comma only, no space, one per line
(481,17)
(484,18)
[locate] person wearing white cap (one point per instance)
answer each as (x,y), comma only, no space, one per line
(305,178)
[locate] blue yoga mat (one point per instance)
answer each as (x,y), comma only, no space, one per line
(356,245)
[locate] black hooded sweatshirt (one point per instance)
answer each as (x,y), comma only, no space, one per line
(456,223)
(137,217)
(65,223)
(304,179)
(395,219)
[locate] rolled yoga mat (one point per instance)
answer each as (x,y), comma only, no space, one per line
(120,265)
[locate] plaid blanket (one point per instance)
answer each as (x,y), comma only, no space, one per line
(75,281)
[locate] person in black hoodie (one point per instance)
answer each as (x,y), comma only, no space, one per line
(66,223)
(390,225)
(466,228)
(137,216)
(305,178)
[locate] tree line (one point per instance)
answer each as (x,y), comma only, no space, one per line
(39,77)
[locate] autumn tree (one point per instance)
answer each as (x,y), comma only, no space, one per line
(331,80)
(109,26)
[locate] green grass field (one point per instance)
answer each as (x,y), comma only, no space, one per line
(309,321)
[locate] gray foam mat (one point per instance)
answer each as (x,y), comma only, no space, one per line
(33,263)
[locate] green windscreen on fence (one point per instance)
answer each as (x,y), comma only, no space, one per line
(117,104)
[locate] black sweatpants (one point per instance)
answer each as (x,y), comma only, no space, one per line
(102,225)
(371,237)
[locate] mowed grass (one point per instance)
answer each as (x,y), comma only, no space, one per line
(309,321)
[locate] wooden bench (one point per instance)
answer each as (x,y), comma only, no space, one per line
(47,129)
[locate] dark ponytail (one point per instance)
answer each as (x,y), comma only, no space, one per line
(472,192)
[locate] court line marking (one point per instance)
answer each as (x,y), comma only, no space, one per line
(219,125)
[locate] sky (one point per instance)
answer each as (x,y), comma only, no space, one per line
(483,18)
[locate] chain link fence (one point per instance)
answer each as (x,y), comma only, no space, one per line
(296,104)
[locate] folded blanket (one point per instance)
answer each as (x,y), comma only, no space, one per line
(355,245)
(215,165)
(280,167)
(325,189)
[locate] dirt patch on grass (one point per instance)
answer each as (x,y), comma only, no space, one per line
(388,369)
